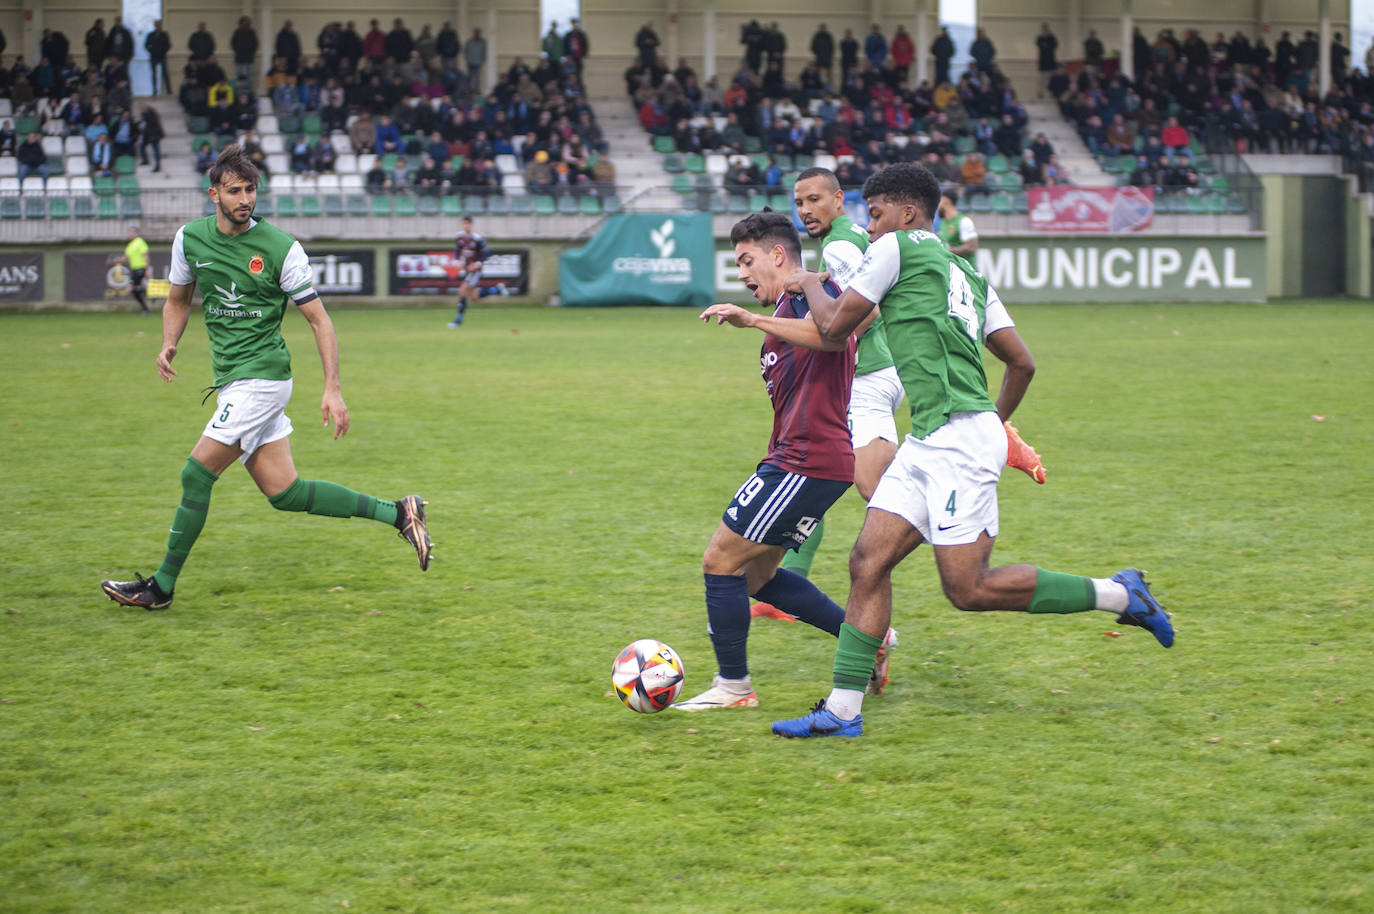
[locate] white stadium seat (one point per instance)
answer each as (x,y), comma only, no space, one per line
(346,163)
(506,164)
(9,167)
(716,164)
(278,164)
(305,184)
(271,144)
(77,165)
(9,187)
(58,187)
(365,162)
(327,184)
(52,145)
(341,143)
(33,184)
(283,183)
(79,185)
(351,184)
(74,145)
(267,123)
(825,160)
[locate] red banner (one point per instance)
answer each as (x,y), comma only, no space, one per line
(1090,209)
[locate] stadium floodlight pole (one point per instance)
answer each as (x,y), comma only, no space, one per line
(1127,68)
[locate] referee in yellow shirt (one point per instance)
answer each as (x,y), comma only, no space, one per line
(136,256)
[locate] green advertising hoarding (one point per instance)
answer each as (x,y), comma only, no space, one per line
(640,259)
(1099,268)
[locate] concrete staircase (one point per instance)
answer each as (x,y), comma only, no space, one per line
(1044,117)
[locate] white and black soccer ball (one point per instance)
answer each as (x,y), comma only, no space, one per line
(648,676)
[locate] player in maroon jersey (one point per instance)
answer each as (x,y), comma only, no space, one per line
(469,250)
(809,465)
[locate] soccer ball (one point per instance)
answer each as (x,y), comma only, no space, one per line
(647,676)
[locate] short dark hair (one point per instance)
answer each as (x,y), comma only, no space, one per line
(768,229)
(906,182)
(818,172)
(233,161)
(953,193)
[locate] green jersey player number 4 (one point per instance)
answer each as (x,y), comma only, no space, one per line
(248,272)
(941,488)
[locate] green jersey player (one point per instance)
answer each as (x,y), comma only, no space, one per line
(248,271)
(941,487)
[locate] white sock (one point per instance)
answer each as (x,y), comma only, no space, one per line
(1111,596)
(738,686)
(845,703)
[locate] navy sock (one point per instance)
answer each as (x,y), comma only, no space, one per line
(727,616)
(792,593)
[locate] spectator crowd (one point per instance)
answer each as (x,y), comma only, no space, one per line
(849,99)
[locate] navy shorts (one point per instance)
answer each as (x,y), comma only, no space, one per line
(779,508)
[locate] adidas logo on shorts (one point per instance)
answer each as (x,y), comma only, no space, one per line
(733,512)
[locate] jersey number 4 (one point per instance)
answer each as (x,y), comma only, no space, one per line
(961,306)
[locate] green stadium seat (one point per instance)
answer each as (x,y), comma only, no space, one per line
(312,125)
(1235,205)
(107,208)
(704,182)
(673,164)
(664,144)
(692,203)
(389,162)
(544,205)
(24,125)
(717,204)
(405,205)
(287,207)
(694,163)
(451,205)
(781,203)
(1012,179)
(997,164)
(963,145)
(1001,202)
(356,205)
(198,126)
(381,205)
(498,205)
(104,187)
(1018,202)
(1219,184)
(1112,165)
(57,165)
(782,160)
(127,185)
(757,202)
(427,205)
(1195,204)
(1214,204)
(567,205)
(801,161)
(589,205)
(35,207)
(333,205)
(84,208)
(736,204)
(263,207)
(201,138)
(125,165)
(288,124)
(760,161)
(1205,165)
(612,205)
(522,205)
(979,203)
(474,204)
(130,208)
(204,183)
(60,208)
(751,145)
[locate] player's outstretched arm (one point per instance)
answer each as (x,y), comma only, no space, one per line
(799,331)
(836,318)
(332,406)
(175,312)
(1008,346)
(1012,351)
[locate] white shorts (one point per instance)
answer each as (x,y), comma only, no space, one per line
(873,400)
(250,412)
(945,484)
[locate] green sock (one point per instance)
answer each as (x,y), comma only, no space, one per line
(1056,592)
(800,559)
(854,658)
(329,499)
(187,522)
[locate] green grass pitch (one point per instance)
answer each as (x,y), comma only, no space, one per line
(316,725)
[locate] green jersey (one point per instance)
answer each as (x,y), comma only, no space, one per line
(842,249)
(956,230)
(934,305)
(245,281)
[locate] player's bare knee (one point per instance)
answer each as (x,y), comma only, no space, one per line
(966,595)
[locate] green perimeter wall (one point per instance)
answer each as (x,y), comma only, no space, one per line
(1319,237)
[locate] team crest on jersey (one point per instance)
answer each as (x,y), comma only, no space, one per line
(255,266)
